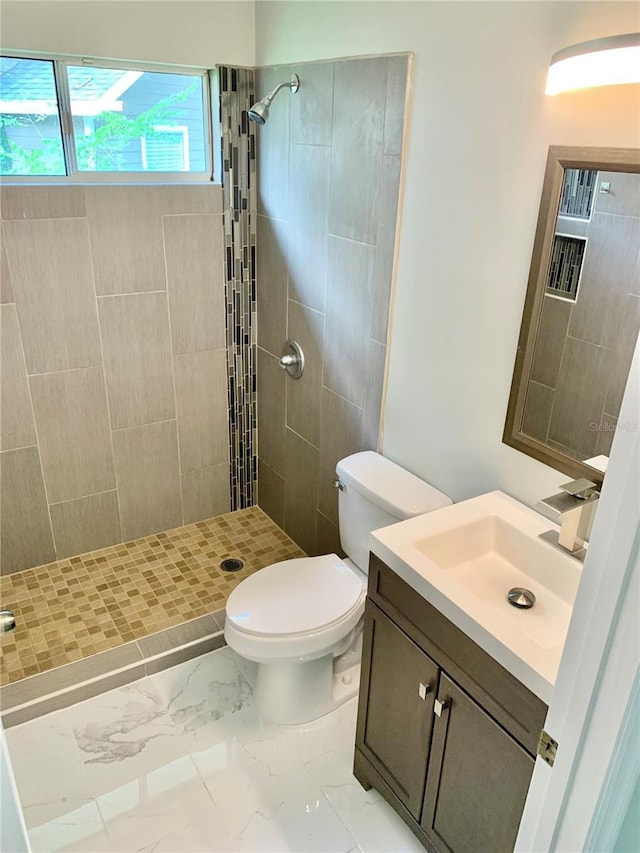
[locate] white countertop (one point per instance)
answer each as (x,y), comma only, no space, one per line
(527,643)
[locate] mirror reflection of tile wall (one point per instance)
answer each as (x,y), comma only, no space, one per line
(586,341)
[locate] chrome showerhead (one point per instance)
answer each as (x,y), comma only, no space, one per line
(259,112)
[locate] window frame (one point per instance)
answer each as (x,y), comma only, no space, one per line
(212,174)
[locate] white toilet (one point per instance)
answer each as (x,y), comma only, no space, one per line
(301,620)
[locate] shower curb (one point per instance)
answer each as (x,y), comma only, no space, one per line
(39,694)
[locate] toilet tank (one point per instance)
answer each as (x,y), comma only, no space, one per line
(375,493)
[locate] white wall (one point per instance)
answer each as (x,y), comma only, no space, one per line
(180,32)
(480,127)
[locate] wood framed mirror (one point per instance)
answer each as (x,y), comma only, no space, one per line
(582,312)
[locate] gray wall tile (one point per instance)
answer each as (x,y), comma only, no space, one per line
(6,288)
(272,141)
(187,198)
(271,411)
(373,392)
(571,226)
(202,409)
(219,616)
(356,157)
(42,202)
(584,367)
(552,332)
(137,358)
(634,290)
(205,493)
(24,519)
(46,251)
(85,524)
(188,632)
(537,411)
(73,432)
(628,325)
(210,644)
(312,107)
(605,435)
(16,416)
(307,255)
(604,285)
(350,283)
(385,247)
(328,541)
(126,238)
(69,675)
(568,451)
(194,258)
(72,696)
(303,395)
(624,195)
(605,314)
(148,478)
(50,266)
(272,283)
(340,435)
(300,491)
(348,306)
(397,69)
(271,492)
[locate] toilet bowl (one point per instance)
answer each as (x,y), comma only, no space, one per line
(301,620)
(297,619)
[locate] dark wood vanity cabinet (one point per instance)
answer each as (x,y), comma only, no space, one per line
(445,733)
(478,778)
(397,732)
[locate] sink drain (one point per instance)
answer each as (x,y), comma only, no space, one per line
(521,597)
(231,565)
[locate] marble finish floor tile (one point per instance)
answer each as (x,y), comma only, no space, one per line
(180,761)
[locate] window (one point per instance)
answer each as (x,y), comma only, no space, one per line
(98,121)
(30,132)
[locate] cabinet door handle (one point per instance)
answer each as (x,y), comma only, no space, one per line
(423,689)
(439,706)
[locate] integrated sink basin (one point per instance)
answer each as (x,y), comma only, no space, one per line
(488,557)
(465,558)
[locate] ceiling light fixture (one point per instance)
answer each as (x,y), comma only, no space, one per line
(602,62)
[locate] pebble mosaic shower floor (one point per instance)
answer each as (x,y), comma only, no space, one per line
(77,607)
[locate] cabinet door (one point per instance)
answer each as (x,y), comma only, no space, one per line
(478,779)
(396,713)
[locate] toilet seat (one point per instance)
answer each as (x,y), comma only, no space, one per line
(295,597)
(295,609)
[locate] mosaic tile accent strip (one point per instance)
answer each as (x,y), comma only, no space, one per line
(237,93)
(565,266)
(77,607)
(577,192)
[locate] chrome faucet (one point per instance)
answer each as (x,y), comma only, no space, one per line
(573,508)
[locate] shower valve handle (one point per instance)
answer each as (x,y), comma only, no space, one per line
(292,359)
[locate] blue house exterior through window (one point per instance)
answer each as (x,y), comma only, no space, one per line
(30,132)
(123,120)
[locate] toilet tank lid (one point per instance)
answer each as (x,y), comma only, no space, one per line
(389,486)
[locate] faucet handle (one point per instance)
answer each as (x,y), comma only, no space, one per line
(582,489)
